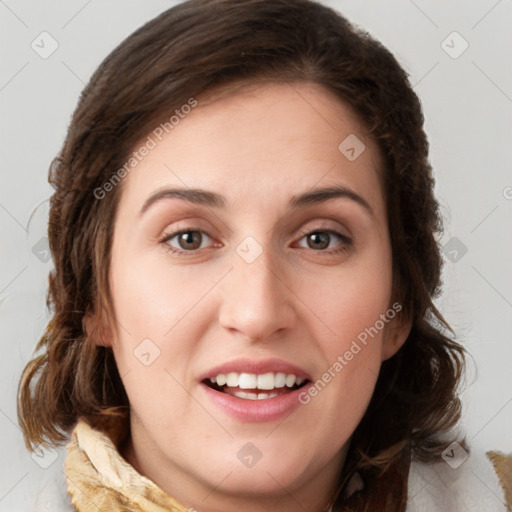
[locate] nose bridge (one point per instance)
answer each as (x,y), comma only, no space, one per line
(255,300)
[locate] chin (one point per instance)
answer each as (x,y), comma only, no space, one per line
(258,469)
(260,481)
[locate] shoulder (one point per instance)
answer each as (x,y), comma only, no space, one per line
(461,481)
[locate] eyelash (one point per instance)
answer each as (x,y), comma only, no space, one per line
(345,245)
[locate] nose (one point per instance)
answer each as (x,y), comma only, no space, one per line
(257,300)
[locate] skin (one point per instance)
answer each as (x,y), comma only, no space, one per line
(258,146)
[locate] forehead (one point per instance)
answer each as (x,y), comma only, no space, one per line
(271,139)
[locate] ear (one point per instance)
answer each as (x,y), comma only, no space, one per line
(395,335)
(98,328)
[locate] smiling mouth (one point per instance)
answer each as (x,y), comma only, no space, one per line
(251,386)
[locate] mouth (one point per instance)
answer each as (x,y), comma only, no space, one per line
(253,386)
(255,391)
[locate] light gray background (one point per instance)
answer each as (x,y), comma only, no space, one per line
(468,108)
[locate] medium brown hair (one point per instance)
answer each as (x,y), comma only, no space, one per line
(184,52)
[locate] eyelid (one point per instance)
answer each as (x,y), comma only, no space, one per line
(187,224)
(325,225)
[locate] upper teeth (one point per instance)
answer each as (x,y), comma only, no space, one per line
(252,381)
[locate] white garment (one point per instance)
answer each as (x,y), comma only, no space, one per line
(472,487)
(53,496)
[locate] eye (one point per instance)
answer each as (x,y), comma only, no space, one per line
(320,239)
(188,240)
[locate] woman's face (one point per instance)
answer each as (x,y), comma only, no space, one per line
(249,345)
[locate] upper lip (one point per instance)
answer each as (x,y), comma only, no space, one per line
(256,367)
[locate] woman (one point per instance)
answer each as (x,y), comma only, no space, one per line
(244,237)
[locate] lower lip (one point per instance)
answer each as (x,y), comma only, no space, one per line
(255,411)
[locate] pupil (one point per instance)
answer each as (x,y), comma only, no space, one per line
(191,237)
(314,237)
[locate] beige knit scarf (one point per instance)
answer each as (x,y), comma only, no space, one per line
(99,479)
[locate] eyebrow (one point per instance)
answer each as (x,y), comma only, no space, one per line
(214,200)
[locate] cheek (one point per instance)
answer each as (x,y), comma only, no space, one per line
(151,301)
(348,301)
(155,343)
(349,304)
(160,315)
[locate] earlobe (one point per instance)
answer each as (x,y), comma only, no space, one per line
(395,336)
(97,327)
